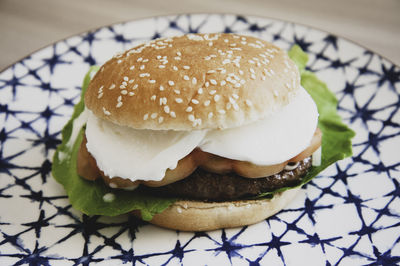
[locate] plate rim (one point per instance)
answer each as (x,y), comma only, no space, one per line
(2,70)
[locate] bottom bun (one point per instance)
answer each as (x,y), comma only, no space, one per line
(186,215)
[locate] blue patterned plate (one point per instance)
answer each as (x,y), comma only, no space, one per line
(349,215)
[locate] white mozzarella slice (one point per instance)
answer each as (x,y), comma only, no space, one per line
(273,140)
(137,154)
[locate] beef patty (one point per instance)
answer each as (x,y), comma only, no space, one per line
(203,185)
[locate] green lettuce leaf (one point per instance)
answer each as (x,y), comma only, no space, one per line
(87,196)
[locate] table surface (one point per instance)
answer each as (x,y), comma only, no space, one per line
(28,25)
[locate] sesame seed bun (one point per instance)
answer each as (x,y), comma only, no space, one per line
(195,81)
(205,216)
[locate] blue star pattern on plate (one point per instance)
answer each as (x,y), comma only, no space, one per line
(349,215)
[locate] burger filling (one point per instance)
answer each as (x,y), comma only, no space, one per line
(148,155)
(205,164)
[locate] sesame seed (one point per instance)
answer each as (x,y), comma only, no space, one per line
(228,106)
(172,114)
(142,75)
(200,91)
(253,76)
(211,71)
(177,91)
(142,67)
(207,84)
(161,66)
(223,82)
(222,111)
(119,104)
(124,83)
(124,92)
(166,109)
(217,97)
(186,77)
(191,117)
(152,81)
(212,92)
(171,83)
(249,103)
(213,81)
(119,99)
(153,98)
(197,122)
(163,101)
(207,103)
(106,112)
(186,67)
(100,95)
(207,58)
(179,53)
(131,93)
(178,100)
(175,68)
(139,59)
(154,115)
(194,81)
(210,115)
(119,61)
(189,109)
(131,81)
(160,119)
(112,86)
(145,117)
(122,86)
(177,58)
(135,87)
(235,96)
(195,101)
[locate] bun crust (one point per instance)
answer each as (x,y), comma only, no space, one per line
(204,216)
(195,81)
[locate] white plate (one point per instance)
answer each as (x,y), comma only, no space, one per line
(349,215)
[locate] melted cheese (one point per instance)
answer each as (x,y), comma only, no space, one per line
(137,154)
(272,140)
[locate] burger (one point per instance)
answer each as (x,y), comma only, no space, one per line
(219,124)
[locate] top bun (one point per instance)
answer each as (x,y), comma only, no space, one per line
(195,81)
